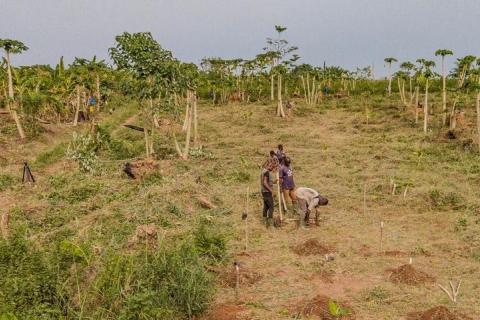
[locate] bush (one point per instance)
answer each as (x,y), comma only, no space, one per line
(209,242)
(442,200)
(83,149)
(28,284)
(164,284)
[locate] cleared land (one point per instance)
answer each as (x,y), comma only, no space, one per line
(334,151)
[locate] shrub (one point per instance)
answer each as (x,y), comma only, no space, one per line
(83,149)
(442,200)
(209,242)
(28,284)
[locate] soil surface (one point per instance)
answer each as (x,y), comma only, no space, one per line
(407,274)
(312,247)
(437,313)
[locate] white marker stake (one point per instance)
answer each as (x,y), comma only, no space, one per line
(381,236)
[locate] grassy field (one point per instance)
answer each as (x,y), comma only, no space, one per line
(435,223)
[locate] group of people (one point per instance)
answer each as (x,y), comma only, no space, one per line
(304,200)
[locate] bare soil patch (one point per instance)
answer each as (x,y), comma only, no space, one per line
(437,313)
(317,308)
(247,277)
(312,247)
(226,312)
(407,274)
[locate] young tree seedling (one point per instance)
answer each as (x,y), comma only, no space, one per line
(454,293)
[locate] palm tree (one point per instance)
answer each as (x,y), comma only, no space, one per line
(13,47)
(427,74)
(389,62)
(407,68)
(443,53)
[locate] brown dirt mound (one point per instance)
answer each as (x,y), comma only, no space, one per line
(437,313)
(317,308)
(409,275)
(247,278)
(143,167)
(312,247)
(225,312)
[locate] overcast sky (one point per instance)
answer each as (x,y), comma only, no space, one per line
(348,33)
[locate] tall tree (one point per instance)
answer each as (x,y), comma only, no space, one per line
(277,49)
(389,62)
(427,74)
(13,47)
(443,53)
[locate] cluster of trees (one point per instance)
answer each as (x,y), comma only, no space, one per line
(143,69)
(462,81)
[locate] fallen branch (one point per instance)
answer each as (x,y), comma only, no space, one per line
(206,203)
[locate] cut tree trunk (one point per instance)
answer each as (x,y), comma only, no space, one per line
(195,121)
(444,94)
(280,111)
(478,119)
(272,94)
(389,79)
(425,109)
(12,108)
(98,91)
(77,107)
(417,94)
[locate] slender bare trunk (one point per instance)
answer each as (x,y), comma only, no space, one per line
(272,79)
(77,107)
(98,91)
(417,94)
(425,109)
(389,79)
(195,121)
(280,111)
(187,115)
(444,94)
(189,127)
(304,89)
(478,118)
(12,107)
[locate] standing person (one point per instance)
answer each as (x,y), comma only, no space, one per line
(280,154)
(287,183)
(266,187)
(309,199)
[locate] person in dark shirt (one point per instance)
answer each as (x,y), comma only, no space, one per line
(266,187)
(287,183)
(280,154)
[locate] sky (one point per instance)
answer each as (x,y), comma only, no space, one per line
(348,33)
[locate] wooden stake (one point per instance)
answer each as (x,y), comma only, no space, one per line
(365,199)
(4,224)
(237,282)
(405,192)
(245,218)
(381,236)
(279,197)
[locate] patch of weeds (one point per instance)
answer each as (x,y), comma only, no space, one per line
(51,156)
(75,194)
(209,242)
(6,181)
(152,179)
(377,295)
(175,210)
(201,153)
(442,200)
(461,225)
(29,284)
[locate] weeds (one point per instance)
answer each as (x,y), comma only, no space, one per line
(6,181)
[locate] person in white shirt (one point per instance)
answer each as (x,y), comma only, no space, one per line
(309,199)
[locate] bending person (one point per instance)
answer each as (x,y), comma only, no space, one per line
(309,199)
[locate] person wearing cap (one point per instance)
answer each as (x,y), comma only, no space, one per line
(308,199)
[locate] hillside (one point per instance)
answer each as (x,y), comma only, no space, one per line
(434,223)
